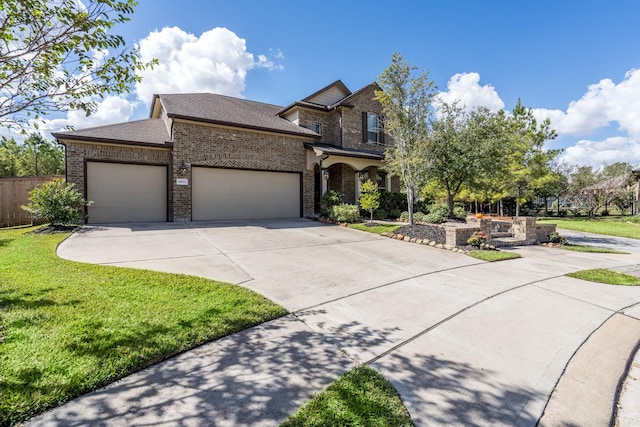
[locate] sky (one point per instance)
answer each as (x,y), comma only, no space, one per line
(574,61)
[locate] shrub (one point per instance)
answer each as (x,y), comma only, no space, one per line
(419,217)
(345,212)
(393,201)
(57,203)
(477,239)
(434,218)
(380,214)
(605,213)
(328,200)
(459,212)
(555,237)
(395,213)
(404,216)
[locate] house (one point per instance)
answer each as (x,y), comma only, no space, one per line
(203,156)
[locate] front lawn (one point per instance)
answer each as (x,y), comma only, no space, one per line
(361,397)
(591,249)
(67,328)
(611,226)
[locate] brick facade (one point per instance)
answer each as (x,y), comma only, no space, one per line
(214,146)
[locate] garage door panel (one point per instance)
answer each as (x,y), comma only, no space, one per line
(244,194)
(126,192)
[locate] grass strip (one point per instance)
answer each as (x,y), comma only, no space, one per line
(610,226)
(377,229)
(591,249)
(609,277)
(361,397)
(67,328)
(493,256)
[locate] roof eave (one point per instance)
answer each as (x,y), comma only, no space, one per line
(61,137)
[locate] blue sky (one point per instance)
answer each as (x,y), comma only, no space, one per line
(577,62)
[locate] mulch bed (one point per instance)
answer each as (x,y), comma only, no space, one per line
(51,229)
(424,231)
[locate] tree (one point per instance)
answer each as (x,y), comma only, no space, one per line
(34,157)
(54,57)
(406,103)
(528,162)
(369,197)
(462,149)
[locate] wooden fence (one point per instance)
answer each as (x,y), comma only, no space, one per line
(14,192)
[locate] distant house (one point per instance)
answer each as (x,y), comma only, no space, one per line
(210,157)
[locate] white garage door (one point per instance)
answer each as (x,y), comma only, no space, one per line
(244,194)
(126,193)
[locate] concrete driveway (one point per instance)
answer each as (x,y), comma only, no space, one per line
(464,342)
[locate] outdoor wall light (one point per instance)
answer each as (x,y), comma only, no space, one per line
(183,168)
(325,174)
(361,175)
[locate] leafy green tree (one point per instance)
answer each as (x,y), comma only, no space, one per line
(36,156)
(57,203)
(462,149)
(369,197)
(54,57)
(527,160)
(406,99)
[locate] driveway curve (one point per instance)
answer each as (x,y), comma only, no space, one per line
(464,342)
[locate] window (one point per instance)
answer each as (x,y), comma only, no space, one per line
(372,128)
(317,128)
(381,178)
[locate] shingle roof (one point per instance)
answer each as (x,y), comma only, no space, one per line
(225,110)
(144,132)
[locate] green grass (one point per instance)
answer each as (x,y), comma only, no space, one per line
(492,256)
(623,226)
(67,328)
(361,397)
(591,249)
(377,229)
(609,277)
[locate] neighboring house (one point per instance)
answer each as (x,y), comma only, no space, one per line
(209,157)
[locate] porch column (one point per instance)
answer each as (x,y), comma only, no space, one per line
(388,183)
(358,186)
(324,176)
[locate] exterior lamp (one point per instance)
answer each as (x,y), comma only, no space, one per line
(325,174)
(361,175)
(183,168)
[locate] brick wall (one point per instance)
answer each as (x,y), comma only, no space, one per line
(352,120)
(202,145)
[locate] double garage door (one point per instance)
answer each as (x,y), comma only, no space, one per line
(244,194)
(136,193)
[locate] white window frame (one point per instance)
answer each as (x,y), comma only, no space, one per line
(375,131)
(316,127)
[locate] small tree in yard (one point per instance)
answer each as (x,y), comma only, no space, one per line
(369,197)
(57,203)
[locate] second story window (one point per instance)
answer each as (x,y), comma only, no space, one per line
(317,128)
(372,132)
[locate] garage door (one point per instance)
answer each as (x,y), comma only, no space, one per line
(126,193)
(244,194)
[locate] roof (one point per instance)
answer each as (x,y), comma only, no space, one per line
(140,132)
(348,152)
(225,110)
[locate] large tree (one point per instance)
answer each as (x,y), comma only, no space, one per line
(529,163)
(462,149)
(35,156)
(54,55)
(406,95)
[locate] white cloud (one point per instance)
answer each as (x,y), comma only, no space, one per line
(605,102)
(465,87)
(113,109)
(216,62)
(598,153)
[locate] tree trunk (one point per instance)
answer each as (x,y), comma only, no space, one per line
(410,205)
(450,204)
(517,201)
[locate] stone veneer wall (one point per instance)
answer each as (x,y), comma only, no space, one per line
(543,231)
(203,145)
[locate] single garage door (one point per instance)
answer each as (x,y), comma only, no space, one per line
(126,193)
(244,194)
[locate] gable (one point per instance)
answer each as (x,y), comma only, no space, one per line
(329,95)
